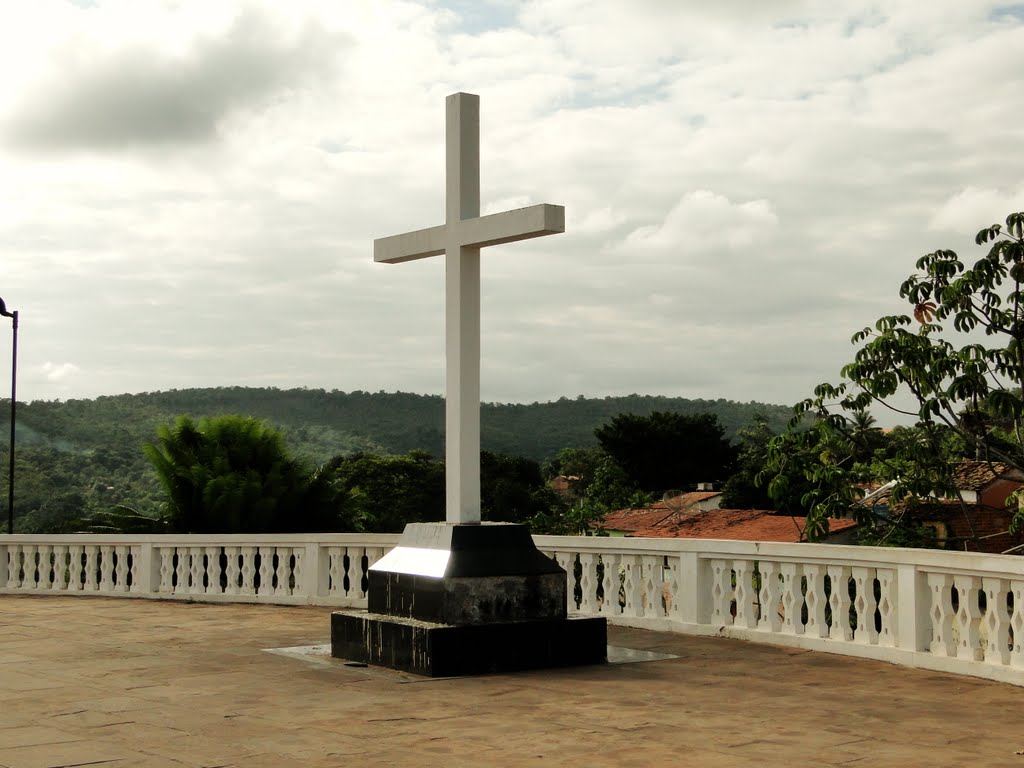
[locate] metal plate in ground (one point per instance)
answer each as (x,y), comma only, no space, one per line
(321,654)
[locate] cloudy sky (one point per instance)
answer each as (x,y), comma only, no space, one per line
(189,191)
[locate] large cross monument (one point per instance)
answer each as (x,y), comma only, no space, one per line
(460,239)
(464,597)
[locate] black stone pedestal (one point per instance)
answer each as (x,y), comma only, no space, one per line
(467,599)
(445,650)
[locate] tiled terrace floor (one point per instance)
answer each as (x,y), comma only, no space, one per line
(108,682)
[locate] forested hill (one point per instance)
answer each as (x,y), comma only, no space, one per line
(320,424)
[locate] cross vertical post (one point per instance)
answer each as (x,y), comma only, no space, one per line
(462,312)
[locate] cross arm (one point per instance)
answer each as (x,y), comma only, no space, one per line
(410,245)
(505,227)
(509,226)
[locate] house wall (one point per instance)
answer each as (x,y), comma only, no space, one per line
(990,525)
(994,495)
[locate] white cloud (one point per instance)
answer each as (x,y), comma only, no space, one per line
(976,207)
(708,221)
(191,190)
(57,372)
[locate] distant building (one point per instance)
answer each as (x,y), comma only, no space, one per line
(563,484)
(977,519)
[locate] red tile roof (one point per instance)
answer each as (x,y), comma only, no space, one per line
(974,475)
(683,505)
(732,524)
(630,520)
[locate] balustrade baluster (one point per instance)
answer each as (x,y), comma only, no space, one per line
(91,567)
(815,600)
(75,568)
(721,593)
(196,571)
(943,643)
(106,561)
(671,588)
(215,580)
(745,610)
(335,577)
(30,568)
(652,569)
(771,597)
(887,599)
(792,598)
(1017,623)
(282,570)
(840,603)
(630,565)
(231,570)
(266,571)
(120,563)
(13,562)
(135,569)
(248,570)
(166,570)
(46,571)
(968,617)
(61,571)
(996,620)
(588,584)
(181,571)
(610,584)
(298,571)
(865,605)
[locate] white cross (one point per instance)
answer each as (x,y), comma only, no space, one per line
(460,238)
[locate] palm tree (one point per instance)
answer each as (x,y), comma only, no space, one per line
(232,474)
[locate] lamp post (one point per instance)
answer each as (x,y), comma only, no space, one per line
(14,403)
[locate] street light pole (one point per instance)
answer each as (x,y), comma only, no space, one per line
(14,404)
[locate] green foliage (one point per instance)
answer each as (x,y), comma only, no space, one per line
(668,450)
(80,458)
(579,463)
(741,490)
(386,492)
(966,382)
(512,489)
(597,486)
(231,474)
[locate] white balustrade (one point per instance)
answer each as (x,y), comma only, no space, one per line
(950,611)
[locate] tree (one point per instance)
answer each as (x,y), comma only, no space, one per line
(964,389)
(387,492)
(231,474)
(741,490)
(512,489)
(668,450)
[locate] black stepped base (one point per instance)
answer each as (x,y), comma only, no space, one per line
(442,650)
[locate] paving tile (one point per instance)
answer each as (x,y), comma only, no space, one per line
(64,754)
(33,736)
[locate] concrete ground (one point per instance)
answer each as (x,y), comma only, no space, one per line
(117,682)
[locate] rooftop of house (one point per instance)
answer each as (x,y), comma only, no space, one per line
(154,684)
(658,521)
(971,475)
(643,517)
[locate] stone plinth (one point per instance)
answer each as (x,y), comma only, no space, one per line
(444,650)
(467,599)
